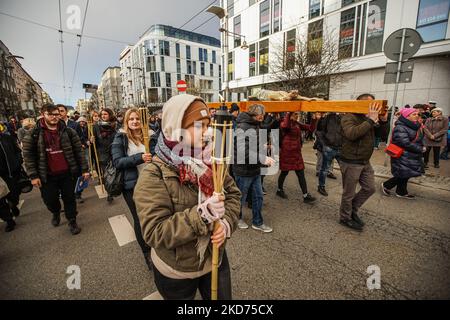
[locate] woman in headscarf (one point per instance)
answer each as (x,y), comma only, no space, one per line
(177,206)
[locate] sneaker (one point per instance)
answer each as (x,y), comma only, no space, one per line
(331,176)
(385,191)
(406,196)
(15,211)
(309,199)
(109,199)
(322,191)
(10,225)
(242,224)
(74,228)
(437,166)
(351,224)
(56,220)
(281,194)
(262,228)
(264,191)
(357,219)
(426,166)
(80,199)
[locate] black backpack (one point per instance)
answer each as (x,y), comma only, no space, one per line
(113,180)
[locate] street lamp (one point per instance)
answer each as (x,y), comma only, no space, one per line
(244,45)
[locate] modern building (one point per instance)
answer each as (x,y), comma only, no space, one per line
(358,29)
(165,55)
(99,99)
(112,88)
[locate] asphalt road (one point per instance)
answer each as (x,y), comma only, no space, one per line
(308,256)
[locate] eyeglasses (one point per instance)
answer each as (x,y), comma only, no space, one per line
(52,114)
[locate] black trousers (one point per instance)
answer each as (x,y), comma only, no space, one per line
(63,184)
(401,184)
(12,199)
(436,154)
(103,169)
(128,196)
(185,289)
(300,176)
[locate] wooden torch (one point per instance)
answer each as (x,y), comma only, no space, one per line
(220,159)
(143,114)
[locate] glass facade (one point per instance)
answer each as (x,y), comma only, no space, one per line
(276,16)
(315,8)
(252,60)
(264,57)
(315,41)
(230,66)
(168,31)
(264,18)
(432,19)
(290,49)
(237,30)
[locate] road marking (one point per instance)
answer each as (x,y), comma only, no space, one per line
(101,192)
(122,229)
(20,204)
(154,296)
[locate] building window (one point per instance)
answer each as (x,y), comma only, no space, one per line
(315,40)
(194,67)
(315,8)
(251,2)
(213,56)
(362,29)
(178,76)
(188,52)
(188,67)
(202,68)
(237,31)
(177,49)
(200,54)
(205,55)
(163,65)
(264,18)
(276,15)
(151,63)
(211,70)
(168,80)
(432,19)
(178,66)
(264,57)
(154,79)
(230,8)
(347,2)
(252,60)
(230,66)
(290,49)
(164,48)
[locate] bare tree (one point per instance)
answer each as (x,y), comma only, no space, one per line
(309,64)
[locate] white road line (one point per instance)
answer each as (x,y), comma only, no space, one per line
(101,192)
(122,229)
(154,296)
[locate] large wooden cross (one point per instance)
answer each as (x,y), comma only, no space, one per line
(340,106)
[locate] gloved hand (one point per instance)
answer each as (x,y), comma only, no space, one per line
(212,209)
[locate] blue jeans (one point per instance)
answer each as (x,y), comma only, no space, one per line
(328,154)
(244,184)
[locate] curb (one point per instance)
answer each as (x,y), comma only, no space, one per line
(383,175)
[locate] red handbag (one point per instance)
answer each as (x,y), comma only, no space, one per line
(394,151)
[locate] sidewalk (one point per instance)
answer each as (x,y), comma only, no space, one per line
(433,178)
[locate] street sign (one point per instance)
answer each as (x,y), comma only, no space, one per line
(181,85)
(393,44)
(392,67)
(91,88)
(391,78)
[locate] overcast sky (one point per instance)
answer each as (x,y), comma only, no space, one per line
(113,19)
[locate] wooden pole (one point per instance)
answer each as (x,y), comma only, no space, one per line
(99,171)
(143,113)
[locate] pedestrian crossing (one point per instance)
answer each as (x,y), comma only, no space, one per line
(122,229)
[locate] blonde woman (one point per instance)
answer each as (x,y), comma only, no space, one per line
(27,125)
(129,156)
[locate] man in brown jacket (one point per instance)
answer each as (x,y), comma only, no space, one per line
(357,148)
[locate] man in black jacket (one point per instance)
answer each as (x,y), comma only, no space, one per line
(10,167)
(249,156)
(54,159)
(329,132)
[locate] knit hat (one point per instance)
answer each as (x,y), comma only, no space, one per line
(256,109)
(406,112)
(174,112)
(81,119)
(437,109)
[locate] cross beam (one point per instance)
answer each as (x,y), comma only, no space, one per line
(340,106)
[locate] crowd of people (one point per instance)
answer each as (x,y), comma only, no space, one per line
(168,186)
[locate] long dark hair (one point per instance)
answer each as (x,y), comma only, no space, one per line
(112,117)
